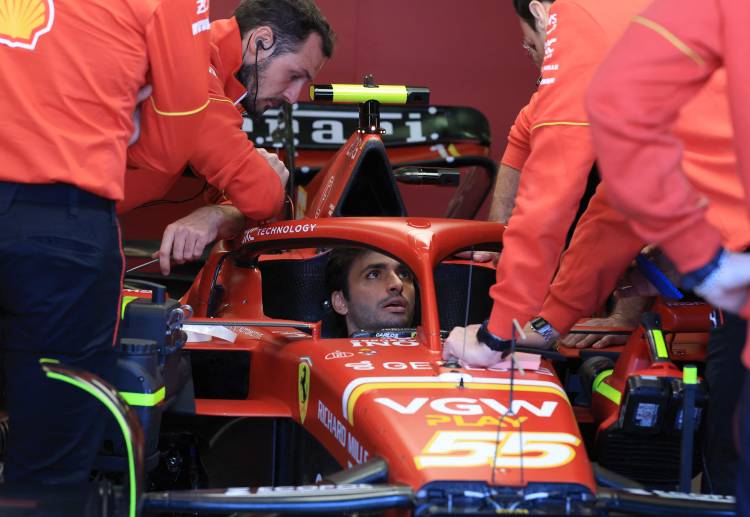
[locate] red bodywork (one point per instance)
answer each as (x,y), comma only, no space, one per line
(685,326)
(391,397)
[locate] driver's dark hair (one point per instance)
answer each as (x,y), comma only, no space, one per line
(292,21)
(339,264)
(523,11)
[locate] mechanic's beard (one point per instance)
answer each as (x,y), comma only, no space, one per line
(250,75)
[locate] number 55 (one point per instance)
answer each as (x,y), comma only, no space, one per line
(477,448)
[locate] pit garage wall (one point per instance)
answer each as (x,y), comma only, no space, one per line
(467,51)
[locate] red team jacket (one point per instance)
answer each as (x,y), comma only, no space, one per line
(604,244)
(71,71)
(663,60)
(222,152)
(560,157)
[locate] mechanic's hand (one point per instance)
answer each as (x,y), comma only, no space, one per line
(470,353)
(479,256)
(277,165)
(625,314)
(727,287)
(185,239)
(597,340)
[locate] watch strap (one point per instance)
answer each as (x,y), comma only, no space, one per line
(491,340)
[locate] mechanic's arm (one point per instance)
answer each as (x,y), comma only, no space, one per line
(508,175)
(625,314)
(170,118)
(251,178)
(602,248)
(185,239)
(662,61)
(504,195)
(552,182)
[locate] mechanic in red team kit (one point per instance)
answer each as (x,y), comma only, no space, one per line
(582,285)
(555,171)
(71,74)
(260,59)
(667,55)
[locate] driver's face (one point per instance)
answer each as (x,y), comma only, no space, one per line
(283,77)
(381,294)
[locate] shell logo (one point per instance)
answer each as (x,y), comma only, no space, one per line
(23,22)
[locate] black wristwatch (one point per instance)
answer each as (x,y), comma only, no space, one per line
(543,328)
(491,340)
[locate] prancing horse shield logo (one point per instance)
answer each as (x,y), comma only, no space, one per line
(22,22)
(303,389)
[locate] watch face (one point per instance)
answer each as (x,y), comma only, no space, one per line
(538,323)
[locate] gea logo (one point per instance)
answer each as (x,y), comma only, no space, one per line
(467,406)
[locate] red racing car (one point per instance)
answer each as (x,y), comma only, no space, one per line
(259,387)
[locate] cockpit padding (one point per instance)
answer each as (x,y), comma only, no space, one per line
(295,289)
(451,289)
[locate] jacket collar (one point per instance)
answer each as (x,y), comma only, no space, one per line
(226,57)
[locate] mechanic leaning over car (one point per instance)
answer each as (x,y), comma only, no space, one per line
(260,59)
(555,171)
(665,57)
(69,85)
(582,285)
(369,290)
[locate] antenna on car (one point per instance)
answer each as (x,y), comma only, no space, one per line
(509,412)
(287,127)
(370,96)
(468,300)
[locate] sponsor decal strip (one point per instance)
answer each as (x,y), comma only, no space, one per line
(359,387)
(341,434)
(277,230)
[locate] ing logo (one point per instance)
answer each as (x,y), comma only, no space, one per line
(23,22)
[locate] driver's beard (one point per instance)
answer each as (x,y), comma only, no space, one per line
(249,76)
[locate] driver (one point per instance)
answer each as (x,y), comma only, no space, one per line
(371,291)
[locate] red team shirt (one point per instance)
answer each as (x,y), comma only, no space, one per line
(222,153)
(604,244)
(667,55)
(560,155)
(68,117)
